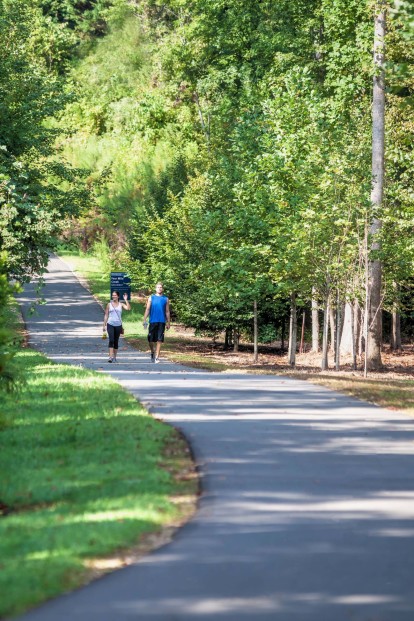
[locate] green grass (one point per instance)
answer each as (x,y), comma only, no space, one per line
(82,477)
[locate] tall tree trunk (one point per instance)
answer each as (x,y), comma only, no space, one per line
(353,338)
(236,337)
(373,345)
(357,327)
(337,331)
(227,338)
(282,338)
(293,329)
(396,330)
(302,334)
(326,315)
(255,332)
(315,322)
(396,323)
(348,329)
(332,328)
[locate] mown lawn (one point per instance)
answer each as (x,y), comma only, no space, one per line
(85,472)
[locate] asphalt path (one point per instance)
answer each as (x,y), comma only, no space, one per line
(308,495)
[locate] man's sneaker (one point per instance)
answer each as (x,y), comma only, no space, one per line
(156,360)
(152,357)
(110,360)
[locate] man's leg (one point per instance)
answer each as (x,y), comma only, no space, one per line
(160,339)
(151,341)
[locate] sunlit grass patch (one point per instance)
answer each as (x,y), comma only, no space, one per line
(85,472)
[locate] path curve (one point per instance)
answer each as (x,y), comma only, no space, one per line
(308,504)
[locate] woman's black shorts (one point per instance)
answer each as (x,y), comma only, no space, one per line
(114,334)
(156,332)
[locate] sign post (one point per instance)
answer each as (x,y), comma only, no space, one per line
(122,283)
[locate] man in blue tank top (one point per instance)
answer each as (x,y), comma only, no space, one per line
(158,309)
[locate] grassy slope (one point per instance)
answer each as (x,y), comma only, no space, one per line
(81,478)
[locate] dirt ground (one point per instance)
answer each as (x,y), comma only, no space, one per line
(396,364)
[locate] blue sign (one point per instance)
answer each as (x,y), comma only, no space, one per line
(122,283)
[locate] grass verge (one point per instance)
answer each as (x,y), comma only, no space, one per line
(387,389)
(82,479)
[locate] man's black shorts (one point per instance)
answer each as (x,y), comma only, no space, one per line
(156,332)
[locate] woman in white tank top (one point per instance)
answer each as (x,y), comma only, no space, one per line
(113,322)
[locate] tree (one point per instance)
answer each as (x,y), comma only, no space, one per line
(374,302)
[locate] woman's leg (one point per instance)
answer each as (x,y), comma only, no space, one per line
(117,334)
(111,334)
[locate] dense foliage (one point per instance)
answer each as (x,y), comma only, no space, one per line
(228,146)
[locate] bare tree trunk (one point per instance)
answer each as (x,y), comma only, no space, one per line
(354,358)
(293,328)
(282,338)
(302,334)
(332,328)
(374,323)
(396,323)
(348,330)
(227,338)
(396,330)
(315,322)
(236,337)
(255,333)
(357,327)
(337,331)
(326,314)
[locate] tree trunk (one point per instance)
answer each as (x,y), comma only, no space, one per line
(326,315)
(337,331)
(227,338)
(292,331)
(282,339)
(348,330)
(374,332)
(255,333)
(357,327)
(315,322)
(353,339)
(396,322)
(236,337)
(302,334)
(396,330)
(332,328)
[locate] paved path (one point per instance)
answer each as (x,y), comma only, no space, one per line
(308,504)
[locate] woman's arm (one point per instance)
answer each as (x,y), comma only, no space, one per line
(106,316)
(126,304)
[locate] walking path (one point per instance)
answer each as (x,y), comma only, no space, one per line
(308,495)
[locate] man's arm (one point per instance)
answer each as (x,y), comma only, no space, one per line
(167,314)
(147,310)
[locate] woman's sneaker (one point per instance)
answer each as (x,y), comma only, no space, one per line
(110,360)
(156,360)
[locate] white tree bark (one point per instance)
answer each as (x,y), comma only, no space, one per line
(373,345)
(315,322)
(347,331)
